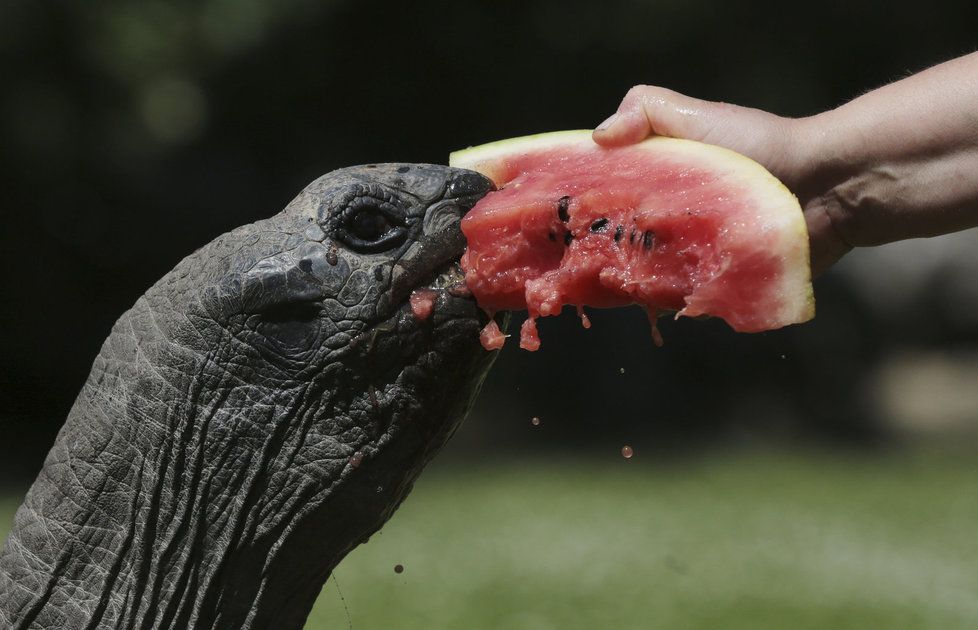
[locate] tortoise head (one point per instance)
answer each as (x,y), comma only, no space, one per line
(259,412)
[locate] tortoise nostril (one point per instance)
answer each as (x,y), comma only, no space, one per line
(468,183)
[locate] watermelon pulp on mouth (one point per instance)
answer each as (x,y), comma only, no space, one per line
(673,225)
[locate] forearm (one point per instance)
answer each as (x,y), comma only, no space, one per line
(900,161)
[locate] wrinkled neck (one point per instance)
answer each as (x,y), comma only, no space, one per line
(178,496)
(144,553)
(156,508)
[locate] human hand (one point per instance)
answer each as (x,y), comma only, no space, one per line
(772,141)
(898,162)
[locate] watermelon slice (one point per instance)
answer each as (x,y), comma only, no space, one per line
(673,225)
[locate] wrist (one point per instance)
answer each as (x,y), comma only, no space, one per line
(821,163)
(822,171)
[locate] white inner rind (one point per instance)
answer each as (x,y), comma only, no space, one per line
(777,210)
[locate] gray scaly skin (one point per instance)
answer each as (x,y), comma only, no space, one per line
(260,411)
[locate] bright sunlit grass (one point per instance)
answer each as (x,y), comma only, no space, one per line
(759,541)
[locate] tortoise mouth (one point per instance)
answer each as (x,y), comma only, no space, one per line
(435,264)
(451,279)
(433,282)
(444,295)
(448,297)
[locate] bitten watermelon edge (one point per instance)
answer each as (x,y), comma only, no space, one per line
(670,224)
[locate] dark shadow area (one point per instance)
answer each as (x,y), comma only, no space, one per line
(134,133)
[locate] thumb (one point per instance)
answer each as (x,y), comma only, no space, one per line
(649,110)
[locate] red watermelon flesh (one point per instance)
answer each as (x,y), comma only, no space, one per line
(670,224)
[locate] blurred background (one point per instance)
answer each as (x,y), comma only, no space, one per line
(819,475)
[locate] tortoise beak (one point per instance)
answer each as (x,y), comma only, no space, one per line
(465,183)
(467,187)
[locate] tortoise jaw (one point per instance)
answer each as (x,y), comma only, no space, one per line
(433,261)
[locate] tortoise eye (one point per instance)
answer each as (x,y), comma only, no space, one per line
(369,226)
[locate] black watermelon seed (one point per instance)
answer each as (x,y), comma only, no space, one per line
(619,231)
(647,239)
(599,225)
(568,237)
(552,236)
(562,204)
(631,236)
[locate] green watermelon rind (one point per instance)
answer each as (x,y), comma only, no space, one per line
(485,153)
(797,296)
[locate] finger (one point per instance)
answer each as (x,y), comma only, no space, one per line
(826,245)
(649,110)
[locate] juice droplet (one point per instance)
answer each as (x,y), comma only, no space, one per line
(653,314)
(621,370)
(535,421)
(585,320)
(356,460)
(398,568)
(627,452)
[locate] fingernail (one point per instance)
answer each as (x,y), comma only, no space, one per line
(608,122)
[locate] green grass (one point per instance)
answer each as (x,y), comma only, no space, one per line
(759,541)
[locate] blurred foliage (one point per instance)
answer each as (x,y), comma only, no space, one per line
(134,132)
